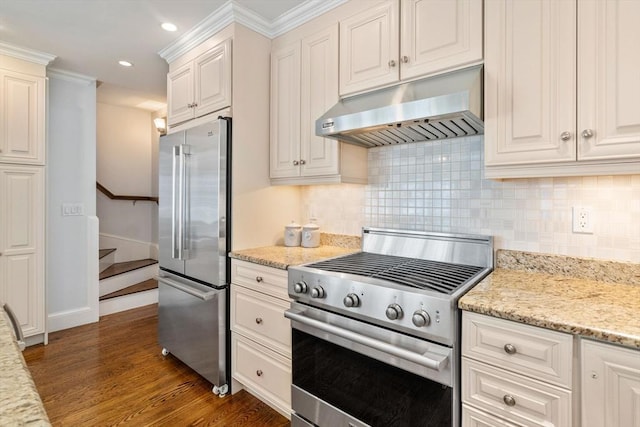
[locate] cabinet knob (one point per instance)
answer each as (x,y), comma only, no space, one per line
(565,136)
(259,279)
(510,349)
(296,163)
(189,105)
(392,63)
(509,400)
(405,59)
(195,104)
(259,373)
(303,162)
(259,320)
(587,133)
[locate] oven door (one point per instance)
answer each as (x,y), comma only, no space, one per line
(349,373)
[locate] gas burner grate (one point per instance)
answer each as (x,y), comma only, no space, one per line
(437,276)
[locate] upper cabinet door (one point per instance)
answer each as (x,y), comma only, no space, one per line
(369,48)
(437,35)
(22,112)
(530,71)
(608,79)
(319,156)
(285,112)
(180,94)
(213,79)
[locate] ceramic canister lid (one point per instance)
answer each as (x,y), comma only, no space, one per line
(311,226)
(293,225)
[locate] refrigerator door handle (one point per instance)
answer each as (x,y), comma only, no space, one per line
(175,251)
(179,208)
(204,296)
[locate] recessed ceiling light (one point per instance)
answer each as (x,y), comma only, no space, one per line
(125,63)
(168,26)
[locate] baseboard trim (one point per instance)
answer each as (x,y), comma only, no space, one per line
(71,318)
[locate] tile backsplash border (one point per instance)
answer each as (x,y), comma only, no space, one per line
(439,186)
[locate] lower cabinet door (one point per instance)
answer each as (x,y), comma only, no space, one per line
(472,417)
(263,372)
(515,398)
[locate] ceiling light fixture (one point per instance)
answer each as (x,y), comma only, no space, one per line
(125,63)
(168,26)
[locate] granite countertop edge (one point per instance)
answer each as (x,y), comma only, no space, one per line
(20,403)
(603,309)
(282,257)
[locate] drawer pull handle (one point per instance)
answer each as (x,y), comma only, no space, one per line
(259,373)
(259,320)
(510,349)
(509,400)
(259,279)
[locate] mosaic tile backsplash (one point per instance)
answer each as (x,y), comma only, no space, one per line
(439,186)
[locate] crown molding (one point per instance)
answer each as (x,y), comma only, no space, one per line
(25,54)
(69,76)
(233,12)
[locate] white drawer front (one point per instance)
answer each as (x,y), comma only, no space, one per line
(471,417)
(529,350)
(269,280)
(265,373)
(261,318)
(534,403)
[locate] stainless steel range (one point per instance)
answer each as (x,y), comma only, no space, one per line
(376,333)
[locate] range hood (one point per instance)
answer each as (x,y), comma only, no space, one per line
(439,107)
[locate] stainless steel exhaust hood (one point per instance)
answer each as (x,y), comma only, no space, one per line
(444,106)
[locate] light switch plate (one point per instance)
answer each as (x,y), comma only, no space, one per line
(72,209)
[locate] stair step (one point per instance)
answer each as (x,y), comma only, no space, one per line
(104,252)
(125,267)
(138,287)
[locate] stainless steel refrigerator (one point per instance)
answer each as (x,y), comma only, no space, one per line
(194,240)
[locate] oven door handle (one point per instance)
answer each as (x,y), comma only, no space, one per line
(433,361)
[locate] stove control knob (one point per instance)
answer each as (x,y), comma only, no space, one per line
(394,312)
(300,288)
(351,300)
(421,318)
(317,292)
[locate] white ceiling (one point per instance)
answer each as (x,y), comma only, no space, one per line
(90,36)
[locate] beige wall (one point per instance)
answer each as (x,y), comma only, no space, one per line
(126,166)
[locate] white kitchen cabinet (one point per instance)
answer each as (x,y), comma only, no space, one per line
(405,39)
(515,373)
(610,385)
(304,85)
(201,86)
(560,88)
(22,244)
(260,334)
(22,115)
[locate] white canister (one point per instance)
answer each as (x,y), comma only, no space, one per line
(310,235)
(292,234)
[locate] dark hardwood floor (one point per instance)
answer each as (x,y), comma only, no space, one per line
(112,373)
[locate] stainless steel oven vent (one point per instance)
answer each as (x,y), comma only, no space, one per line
(439,107)
(416,273)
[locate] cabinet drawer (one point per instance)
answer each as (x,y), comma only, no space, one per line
(265,373)
(533,403)
(261,318)
(471,417)
(268,280)
(529,350)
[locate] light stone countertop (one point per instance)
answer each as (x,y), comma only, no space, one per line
(20,403)
(282,257)
(591,298)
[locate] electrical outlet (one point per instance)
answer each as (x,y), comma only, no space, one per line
(72,209)
(582,220)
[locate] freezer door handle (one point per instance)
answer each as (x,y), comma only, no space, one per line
(16,327)
(204,296)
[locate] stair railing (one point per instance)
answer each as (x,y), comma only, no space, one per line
(135,199)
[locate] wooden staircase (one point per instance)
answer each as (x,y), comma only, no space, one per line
(126,285)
